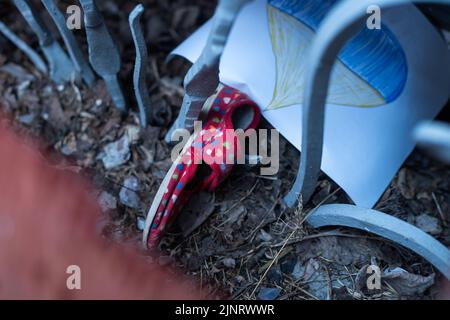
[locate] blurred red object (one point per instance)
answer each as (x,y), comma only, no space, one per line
(47,223)
(443,290)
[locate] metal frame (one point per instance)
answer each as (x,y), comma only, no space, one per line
(338,27)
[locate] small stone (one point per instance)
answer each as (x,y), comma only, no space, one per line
(67,150)
(70,146)
(22,88)
(264,236)
(116,153)
(128,193)
(140,224)
(98,107)
(87,115)
(299,271)
(229,262)
(26,118)
(107,201)
(268,293)
(132,183)
(133,133)
(428,224)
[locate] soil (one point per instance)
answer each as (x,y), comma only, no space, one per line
(248,244)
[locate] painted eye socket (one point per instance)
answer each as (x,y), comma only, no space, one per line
(371,70)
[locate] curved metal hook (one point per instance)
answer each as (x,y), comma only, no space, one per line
(139,77)
(385,226)
(338,27)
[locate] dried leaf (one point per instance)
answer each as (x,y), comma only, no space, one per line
(407,284)
(406,184)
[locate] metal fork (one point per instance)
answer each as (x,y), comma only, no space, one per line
(61,67)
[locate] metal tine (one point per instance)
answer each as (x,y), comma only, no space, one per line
(434,137)
(61,68)
(29,52)
(104,55)
(81,65)
(140,79)
(202,78)
(337,28)
(386,226)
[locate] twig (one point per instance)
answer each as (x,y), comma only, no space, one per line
(263,222)
(288,238)
(273,261)
(439,209)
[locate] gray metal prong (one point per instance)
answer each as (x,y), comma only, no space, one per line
(61,68)
(140,79)
(104,55)
(19,43)
(81,65)
(387,227)
(202,78)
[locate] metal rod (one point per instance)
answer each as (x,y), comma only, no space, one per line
(434,137)
(81,65)
(140,79)
(27,50)
(387,227)
(104,55)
